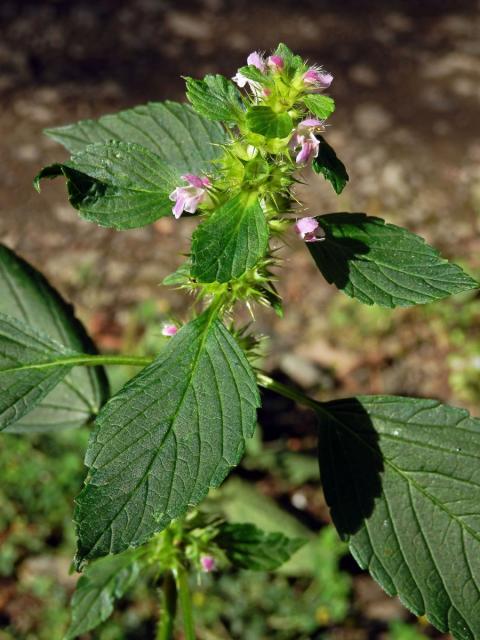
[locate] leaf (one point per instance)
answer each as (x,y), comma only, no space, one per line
(170,434)
(22,389)
(31,307)
(117,184)
(292,62)
(402,479)
(103,582)
(248,547)
(231,241)
(216,98)
(182,138)
(241,502)
(379,263)
(330,166)
(253,73)
(264,121)
(320,105)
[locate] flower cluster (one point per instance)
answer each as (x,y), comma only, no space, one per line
(284,86)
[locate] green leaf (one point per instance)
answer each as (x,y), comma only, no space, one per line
(264,121)
(248,547)
(103,582)
(402,478)
(170,434)
(216,98)
(293,63)
(21,389)
(231,241)
(330,166)
(241,502)
(253,73)
(379,263)
(45,328)
(320,105)
(181,137)
(117,184)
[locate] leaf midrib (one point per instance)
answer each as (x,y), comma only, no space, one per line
(211,318)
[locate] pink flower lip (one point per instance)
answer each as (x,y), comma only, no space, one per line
(255,59)
(309,146)
(169,330)
(306,228)
(208,563)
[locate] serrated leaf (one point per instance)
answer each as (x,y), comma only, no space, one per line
(330,166)
(117,184)
(402,478)
(231,241)
(103,582)
(216,98)
(170,434)
(379,263)
(248,547)
(33,308)
(181,137)
(264,121)
(320,105)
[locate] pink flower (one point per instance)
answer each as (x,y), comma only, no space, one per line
(275,63)
(208,563)
(169,330)
(317,79)
(304,138)
(188,198)
(306,228)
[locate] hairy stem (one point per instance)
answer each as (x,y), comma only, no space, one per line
(168,609)
(185,603)
(85,360)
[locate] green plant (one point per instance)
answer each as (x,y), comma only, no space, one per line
(401,475)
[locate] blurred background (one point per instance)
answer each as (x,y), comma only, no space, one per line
(407,127)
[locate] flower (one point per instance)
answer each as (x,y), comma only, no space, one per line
(208,563)
(305,138)
(306,228)
(317,79)
(188,198)
(275,63)
(169,330)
